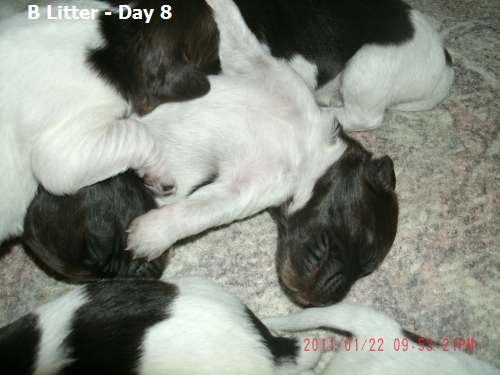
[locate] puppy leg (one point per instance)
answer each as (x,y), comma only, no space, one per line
(241,54)
(415,75)
(365,90)
(435,97)
(239,49)
(432,72)
(77,155)
(222,202)
(329,94)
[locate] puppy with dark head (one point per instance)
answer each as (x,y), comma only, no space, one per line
(163,59)
(81,236)
(259,140)
(343,232)
(263,142)
(71,84)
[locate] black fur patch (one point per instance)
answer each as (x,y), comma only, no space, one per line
(282,348)
(162,61)
(106,332)
(19,345)
(326,32)
(207,181)
(82,236)
(447,56)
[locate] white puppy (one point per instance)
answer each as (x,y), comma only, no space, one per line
(69,86)
(379,346)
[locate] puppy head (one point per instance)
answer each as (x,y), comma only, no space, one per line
(82,237)
(160,61)
(344,231)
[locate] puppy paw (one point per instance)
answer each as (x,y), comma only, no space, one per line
(148,236)
(161,184)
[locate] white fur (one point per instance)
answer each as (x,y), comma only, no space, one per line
(60,124)
(305,69)
(368,326)
(208,333)
(259,128)
(54,323)
(409,77)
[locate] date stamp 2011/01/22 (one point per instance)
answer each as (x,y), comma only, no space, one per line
(397,344)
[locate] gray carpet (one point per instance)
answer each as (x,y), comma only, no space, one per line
(442,276)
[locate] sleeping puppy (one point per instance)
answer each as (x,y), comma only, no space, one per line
(69,87)
(359,56)
(378,345)
(188,325)
(259,140)
(81,237)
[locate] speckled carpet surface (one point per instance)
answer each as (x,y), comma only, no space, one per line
(442,276)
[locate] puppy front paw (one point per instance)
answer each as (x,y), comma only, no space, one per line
(148,236)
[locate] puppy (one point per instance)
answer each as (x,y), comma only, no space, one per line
(360,57)
(188,325)
(81,237)
(70,85)
(378,344)
(259,140)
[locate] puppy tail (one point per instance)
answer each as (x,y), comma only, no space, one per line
(359,320)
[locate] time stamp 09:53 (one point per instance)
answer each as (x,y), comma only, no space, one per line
(380,345)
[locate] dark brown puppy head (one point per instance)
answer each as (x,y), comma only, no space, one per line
(161,61)
(344,231)
(82,236)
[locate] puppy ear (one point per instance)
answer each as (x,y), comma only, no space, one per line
(183,82)
(150,64)
(380,173)
(181,73)
(192,43)
(177,81)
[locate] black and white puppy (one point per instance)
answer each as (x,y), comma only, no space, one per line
(188,325)
(69,86)
(81,237)
(359,56)
(378,345)
(259,140)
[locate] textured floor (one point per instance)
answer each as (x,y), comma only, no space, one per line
(442,277)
